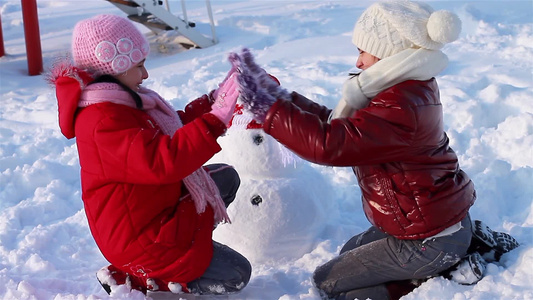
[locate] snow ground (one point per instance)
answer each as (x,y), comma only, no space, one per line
(46,250)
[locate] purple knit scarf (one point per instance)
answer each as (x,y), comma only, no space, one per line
(201,186)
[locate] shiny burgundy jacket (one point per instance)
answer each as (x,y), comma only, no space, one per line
(411,183)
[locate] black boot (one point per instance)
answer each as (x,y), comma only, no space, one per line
(490,244)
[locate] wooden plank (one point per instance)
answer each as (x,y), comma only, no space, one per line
(124,2)
(150,21)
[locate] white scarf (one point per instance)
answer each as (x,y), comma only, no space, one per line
(201,186)
(409,64)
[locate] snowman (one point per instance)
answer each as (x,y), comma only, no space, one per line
(283,203)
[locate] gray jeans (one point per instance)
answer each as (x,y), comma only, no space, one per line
(370,259)
(228,271)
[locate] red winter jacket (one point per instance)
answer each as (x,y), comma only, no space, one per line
(411,183)
(138,211)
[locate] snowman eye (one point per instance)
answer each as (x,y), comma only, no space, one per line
(256,199)
(258,139)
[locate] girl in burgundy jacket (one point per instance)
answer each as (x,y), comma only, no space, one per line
(150,203)
(388,127)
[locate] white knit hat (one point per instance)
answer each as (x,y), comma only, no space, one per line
(387,28)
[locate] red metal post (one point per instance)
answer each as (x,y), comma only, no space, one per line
(2,51)
(32,36)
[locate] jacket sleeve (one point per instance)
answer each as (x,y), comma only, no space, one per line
(309,106)
(379,133)
(121,149)
(196,108)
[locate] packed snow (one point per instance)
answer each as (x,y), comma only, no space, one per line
(306,211)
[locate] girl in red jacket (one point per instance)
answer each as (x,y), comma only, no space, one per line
(151,205)
(388,127)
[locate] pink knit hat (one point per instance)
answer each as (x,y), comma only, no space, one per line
(108,44)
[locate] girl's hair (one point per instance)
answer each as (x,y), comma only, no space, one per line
(112,79)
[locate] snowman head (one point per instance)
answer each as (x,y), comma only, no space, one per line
(253,152)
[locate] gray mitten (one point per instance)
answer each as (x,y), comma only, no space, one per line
(258,89)
(265,80)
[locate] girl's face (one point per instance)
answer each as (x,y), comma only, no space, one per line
(365,60)
(134,77)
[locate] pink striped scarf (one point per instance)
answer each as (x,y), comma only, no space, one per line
(201,186)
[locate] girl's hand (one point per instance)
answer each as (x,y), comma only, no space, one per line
(226,99)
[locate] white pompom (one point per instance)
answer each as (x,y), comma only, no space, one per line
(444,26)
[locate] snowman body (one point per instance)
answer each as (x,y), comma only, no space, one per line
(282,205)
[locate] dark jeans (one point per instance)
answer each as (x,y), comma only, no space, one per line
(369,260)
(229,271)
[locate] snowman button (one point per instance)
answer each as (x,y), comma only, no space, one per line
(256,199)
(258,139)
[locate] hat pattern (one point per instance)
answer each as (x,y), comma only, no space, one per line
(122,55)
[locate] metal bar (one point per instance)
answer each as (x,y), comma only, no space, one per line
(32,37)
(2,50)
(174,22)
(211,20)
(184,10)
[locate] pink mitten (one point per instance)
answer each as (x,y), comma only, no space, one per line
(230,72)
(225,99)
